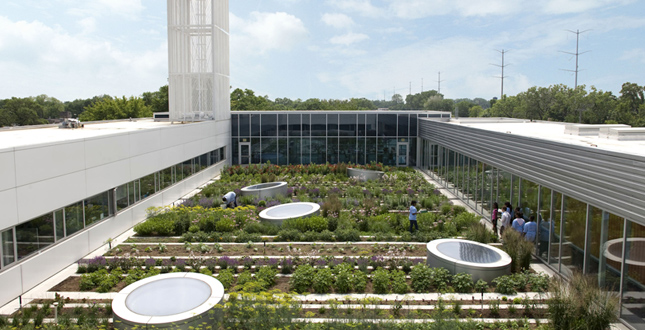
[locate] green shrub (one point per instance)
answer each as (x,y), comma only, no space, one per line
(518,249)
(441,278)
(457,210)
(381,281)
(323,280)
(399,284)
(267,274)
(244,277)
(243,237)
(225,225)
(314,223)
(421,276)
(226,277)
(462,283)
(360,281)
(155,227)
(446,208)
(348,235)
(331,207)
(326,236)
(302,278)
(344,278)
(479,233)
(505,284)
(481,286)
(289,235)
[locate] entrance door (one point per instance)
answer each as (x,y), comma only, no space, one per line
(402,154)
(245,153)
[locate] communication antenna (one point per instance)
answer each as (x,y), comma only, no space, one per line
(576,54)
(501,66)
(410,92)
(439,83)
(421,85)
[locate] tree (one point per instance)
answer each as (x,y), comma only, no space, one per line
(77,106)
(463,107)
(438,103)
(157,101)
(21,112)
(247,100)
(117,108)
(475,111)
(51,107)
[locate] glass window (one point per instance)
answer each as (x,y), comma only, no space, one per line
(347,150)
(515,199)
(244,122)
(122,195)
(318,125)
(412,153)
(370,150)
(255,125)
(147,183)
(7,247)
(545,222)
(73,218)
(605,248)
(166,180)
(318,150)
(370,124)
(269,125)
(361,125)
(347,125)
(204,161)
(574,221)
(360,150)
(306,126)
(59,221)
(222,153)
(269,151)
(332,125)
(386,125)
(554,245)
(283,124)
(294,150)
(294,125)
(332,150)
(234,125)
(236,150)
(504,187)
(306,148)
(633,307)
(413,125)
(283,151)
(97,208)
(403,124)
(387,151)
(256,151)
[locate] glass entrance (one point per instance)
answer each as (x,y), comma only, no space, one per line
(402,154)
(245,153)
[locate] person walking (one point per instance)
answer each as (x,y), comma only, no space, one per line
(506,220)
(530,229)
(494,216)
(413,216)
(230,199)
(518,223)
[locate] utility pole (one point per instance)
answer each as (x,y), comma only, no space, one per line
(410,93)
(576,54)
(439,83)
(421,85)
(501,66)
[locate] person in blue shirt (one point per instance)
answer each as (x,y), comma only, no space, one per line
(413,216)
(230,200)
(518,223)
(530,229)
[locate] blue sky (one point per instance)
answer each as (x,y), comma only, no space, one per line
(72,49)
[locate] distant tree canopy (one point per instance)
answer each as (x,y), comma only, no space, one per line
(117,108)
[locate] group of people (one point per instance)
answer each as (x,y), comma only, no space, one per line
(514,219)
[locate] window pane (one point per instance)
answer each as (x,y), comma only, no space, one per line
(234,125)
(97,208)
(294,125)
(244,122)
(255,125)
(403,125)
(554,247)
(283,125)
(256,151)
(361,125)
(283,151)
(634,276)
(222,153)
(361,151)
(166,180)
(412,153)
(347,150)
(294,151)
(387,151)
(370,125)
(605,254)
(318,125)
(347,125)
(59,219)
(370,153)
(269,150)
(73,218)
(306,126)
(318,150)
(7,247)
(332,150)
(413,125)
(574,220)
(332,125)
(386,125)
(122,196)
(148,184)
(544,221)
(306,148)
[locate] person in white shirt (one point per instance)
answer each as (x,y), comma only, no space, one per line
(230,200)
(506,221)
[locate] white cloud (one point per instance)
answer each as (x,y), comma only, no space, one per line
(263,32)
(45,60)
(362,7)
(130,9)
(637,54)
(337,20)
(88,25)
(578,6)
(348,38)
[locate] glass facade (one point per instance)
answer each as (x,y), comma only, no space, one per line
(573,235)
(358,137)
(37,234)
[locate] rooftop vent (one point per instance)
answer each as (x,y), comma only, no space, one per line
(626,134)
(590,130)
(70,123)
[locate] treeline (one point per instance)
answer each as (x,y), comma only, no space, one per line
(43,109)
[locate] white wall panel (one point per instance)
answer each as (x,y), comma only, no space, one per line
(42,266)
(10,284)
(7,170)
(45,196)
(97,235)
(145,164)
(102,178)
(145,142)
(9,208)
(41,163)
(171,156)
(106,150)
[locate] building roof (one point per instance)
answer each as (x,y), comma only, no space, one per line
(559,132)
(25,136)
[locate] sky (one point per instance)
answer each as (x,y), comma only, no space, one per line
(340,49)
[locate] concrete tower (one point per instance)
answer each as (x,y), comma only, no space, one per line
(198,60)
